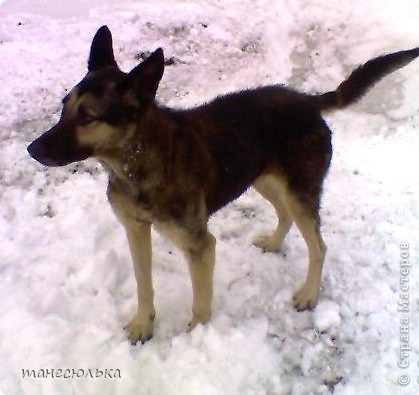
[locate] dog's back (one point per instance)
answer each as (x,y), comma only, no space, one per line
(260,131)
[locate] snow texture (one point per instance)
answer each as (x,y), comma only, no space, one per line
(66,282)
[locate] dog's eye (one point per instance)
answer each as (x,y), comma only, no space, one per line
(85,117)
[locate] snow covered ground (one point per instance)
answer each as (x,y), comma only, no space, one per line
(66,283)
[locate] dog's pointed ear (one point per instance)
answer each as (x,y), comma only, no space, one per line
(142,81)
(101,51)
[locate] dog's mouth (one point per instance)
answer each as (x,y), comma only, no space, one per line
(57,147)
(36,151)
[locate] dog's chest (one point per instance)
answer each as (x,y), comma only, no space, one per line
(128,205)
(148,202)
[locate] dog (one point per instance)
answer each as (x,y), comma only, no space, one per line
(174,168)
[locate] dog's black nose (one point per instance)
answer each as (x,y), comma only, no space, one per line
(31,149)
(35,150)
(38,151)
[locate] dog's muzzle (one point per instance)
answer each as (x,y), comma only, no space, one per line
(58,147)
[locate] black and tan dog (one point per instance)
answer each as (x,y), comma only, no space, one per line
(174,168)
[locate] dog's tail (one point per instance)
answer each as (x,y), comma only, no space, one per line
(363,78)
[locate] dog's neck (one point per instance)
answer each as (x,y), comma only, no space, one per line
(144,150)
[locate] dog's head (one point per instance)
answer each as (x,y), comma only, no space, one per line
(98,108)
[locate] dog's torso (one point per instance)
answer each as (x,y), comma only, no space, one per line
(198,160)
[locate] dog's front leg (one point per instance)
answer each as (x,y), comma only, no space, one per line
(201,258)
(140,328)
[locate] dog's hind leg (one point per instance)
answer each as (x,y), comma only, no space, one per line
(273,190)
(307,221)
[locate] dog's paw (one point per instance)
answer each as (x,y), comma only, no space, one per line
(306,297)
(267,243)
(202,319)
(140,329)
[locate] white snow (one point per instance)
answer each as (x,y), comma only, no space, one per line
(66,282)
(326,315)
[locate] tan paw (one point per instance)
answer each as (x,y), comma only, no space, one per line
(306,297)
(201,319)
(140,329)
(267,243)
